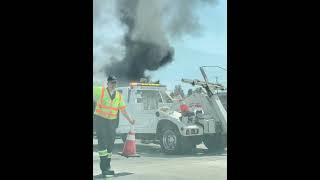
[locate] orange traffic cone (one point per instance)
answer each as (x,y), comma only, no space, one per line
(129,148)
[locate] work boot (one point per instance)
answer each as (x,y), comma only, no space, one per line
(100,176)
(108,172)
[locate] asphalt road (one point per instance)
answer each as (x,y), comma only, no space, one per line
(155,165)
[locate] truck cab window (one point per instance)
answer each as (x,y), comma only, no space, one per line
(149,98)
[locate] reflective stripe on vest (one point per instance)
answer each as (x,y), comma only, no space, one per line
(104,153)
(108,111)
(108,107)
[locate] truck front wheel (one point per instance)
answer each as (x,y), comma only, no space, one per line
(170,140)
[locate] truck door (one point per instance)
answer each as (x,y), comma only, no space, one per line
(146,105)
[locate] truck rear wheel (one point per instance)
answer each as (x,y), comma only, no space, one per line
(215,143)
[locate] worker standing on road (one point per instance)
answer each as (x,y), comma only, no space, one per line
(108,103)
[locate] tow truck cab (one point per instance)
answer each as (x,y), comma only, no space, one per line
(143,101)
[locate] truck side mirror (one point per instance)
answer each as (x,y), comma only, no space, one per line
(157,114)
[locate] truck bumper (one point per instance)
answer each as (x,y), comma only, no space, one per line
(191,130)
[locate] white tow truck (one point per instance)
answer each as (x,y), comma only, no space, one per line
(157,119)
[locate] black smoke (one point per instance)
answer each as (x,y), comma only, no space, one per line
(147,24)
(140,54)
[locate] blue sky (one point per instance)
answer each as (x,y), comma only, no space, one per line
(192,52)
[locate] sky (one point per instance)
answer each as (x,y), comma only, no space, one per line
(210,49)
(207,49)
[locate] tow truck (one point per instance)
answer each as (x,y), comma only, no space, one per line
(176,131)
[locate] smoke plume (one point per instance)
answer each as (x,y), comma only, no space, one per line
(142,42)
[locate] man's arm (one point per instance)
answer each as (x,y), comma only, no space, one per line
(127,116)
(122,108)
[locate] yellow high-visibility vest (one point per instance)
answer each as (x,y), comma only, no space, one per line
(106,107)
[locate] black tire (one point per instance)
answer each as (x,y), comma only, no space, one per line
(172,142)
(215,143)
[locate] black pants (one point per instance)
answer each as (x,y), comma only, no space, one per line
(106,133)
